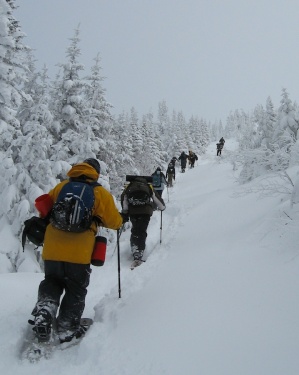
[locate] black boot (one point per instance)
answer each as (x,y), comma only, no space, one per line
(42,325)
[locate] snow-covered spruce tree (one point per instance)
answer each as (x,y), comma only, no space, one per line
(259,115)
(34,145)
(14,207)
(286,121)
(221,131)
(101,122)
(230,127)
(12,73)
(56,98)
(173,148)
(149,162)
(76,139)
(194,130)
(204,137)
(214,131)
(268,124)
(181,132)
(135,138)
(167,137)
(153,150)
(163,118)
(99,115)
(268,161)
(248,134)
(123,156)
(186,136)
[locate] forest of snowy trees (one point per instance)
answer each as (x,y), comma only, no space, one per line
(48,125)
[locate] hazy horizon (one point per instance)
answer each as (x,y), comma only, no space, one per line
(204,58)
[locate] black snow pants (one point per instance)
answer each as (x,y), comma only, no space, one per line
(138,234)
(73,280)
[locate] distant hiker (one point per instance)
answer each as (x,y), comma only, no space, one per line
(68,246)
(222,141)
(170,174)
(174,160)
(192,158)
(159,181)
(183,158)
(219,148)
(137,201)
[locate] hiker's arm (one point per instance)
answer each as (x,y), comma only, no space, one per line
(158,203)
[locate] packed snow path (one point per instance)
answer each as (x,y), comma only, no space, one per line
(218,296)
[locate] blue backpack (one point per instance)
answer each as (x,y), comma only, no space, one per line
(72,212)
(156,180)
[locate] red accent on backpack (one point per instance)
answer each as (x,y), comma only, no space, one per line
(43,204)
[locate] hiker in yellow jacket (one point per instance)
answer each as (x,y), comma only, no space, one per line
(67,257)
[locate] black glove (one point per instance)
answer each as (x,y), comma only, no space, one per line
(125,217)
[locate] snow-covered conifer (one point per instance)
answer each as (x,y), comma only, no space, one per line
(286,120)
(72,110)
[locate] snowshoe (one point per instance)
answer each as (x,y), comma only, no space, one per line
(136,263)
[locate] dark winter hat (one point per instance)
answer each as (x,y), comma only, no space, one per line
(158,169)
(94,164)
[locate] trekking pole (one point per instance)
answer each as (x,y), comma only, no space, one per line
(119,232)
(118,264)
(167,194)
(161,229)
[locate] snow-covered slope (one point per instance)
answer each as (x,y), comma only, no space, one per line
(218,296)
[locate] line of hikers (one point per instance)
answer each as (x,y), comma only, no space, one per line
(70,216)
(183,158)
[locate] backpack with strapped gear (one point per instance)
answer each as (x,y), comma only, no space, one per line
(72,212)
(139,193)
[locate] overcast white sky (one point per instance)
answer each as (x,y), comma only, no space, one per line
(204,57)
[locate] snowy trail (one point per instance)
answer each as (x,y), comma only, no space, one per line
(219,296)
(217,305)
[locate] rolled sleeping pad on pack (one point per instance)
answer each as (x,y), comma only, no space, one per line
(131,177)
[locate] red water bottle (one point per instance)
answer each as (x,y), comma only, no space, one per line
(99,251)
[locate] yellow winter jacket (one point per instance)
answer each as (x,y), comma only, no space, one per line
(77,247)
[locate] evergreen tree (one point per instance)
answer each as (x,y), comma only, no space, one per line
(195,136)
(173,148)
(180,129)
(286,121)
(136,139)
(153,151)
(12,73)
(204,137)
(76,136)
(99,116)
(269,123)
(16,187)
(163,119)
(123,160)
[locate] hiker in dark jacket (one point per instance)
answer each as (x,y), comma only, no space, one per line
(67,257)
(159,181)
(192,158)
(219,148)
(170,174)
(222,141)
(173,160)
(183,158)
(139,212)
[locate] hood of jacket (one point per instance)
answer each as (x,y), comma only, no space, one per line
(83,169)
